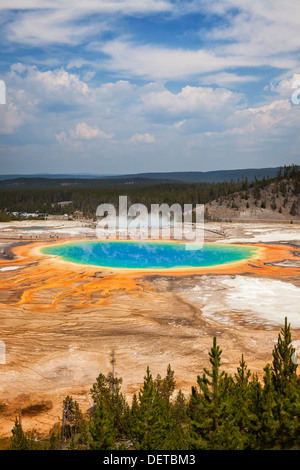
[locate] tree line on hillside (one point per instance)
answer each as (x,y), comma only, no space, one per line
(222,412)
(280,193)
(86,199)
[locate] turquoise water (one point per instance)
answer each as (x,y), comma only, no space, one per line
(147,254)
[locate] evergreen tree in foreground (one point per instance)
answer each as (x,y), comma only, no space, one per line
(143,416)
(284,368)
(286,386)
(212,402)
(102,432)
(108,389)
(21,440)
(242,406)
(268,424)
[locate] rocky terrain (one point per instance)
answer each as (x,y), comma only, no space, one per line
(263,204)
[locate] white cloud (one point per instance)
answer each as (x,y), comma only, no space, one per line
(286,86)
(142,139)
(58,107)
(89,75)
(199,115)
(111,6)
(49,82)
(83,132)
(60,24)
(158,63)
(165,63)
(191,102)
(56,27)
(59,81)
(58,99)
(19,67)
(255,35)
(2,92)
(258,29)
(273,119)
(179,124)
(226,79)
(12,116)
(52,89)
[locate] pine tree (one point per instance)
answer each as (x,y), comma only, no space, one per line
(168,431)
(283,368)
(73,417)
(102,433)
(180,406)
(108,388)
(213,398)
(143,414)
(168,384)
(287,390)
(21,440)
(244,417)
(268,424)
(154,423)
(293,210)
(167,428)
(133,424)
(228,434)
(100,389)
(288,413)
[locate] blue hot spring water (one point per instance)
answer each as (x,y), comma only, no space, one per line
(147,254)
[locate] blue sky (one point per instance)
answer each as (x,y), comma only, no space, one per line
(129,86)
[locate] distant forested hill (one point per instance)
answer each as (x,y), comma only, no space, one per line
(39,182)
(213,176)
(280,192)
(45,180)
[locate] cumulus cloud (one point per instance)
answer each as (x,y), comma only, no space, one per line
(83,132)
(204,107)
(50,85)
(271,118)
(126,89)
(142,138)
(12,116)
(285,86)
(58,81)
(59,107)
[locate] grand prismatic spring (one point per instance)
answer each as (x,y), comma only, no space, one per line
(148,255)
